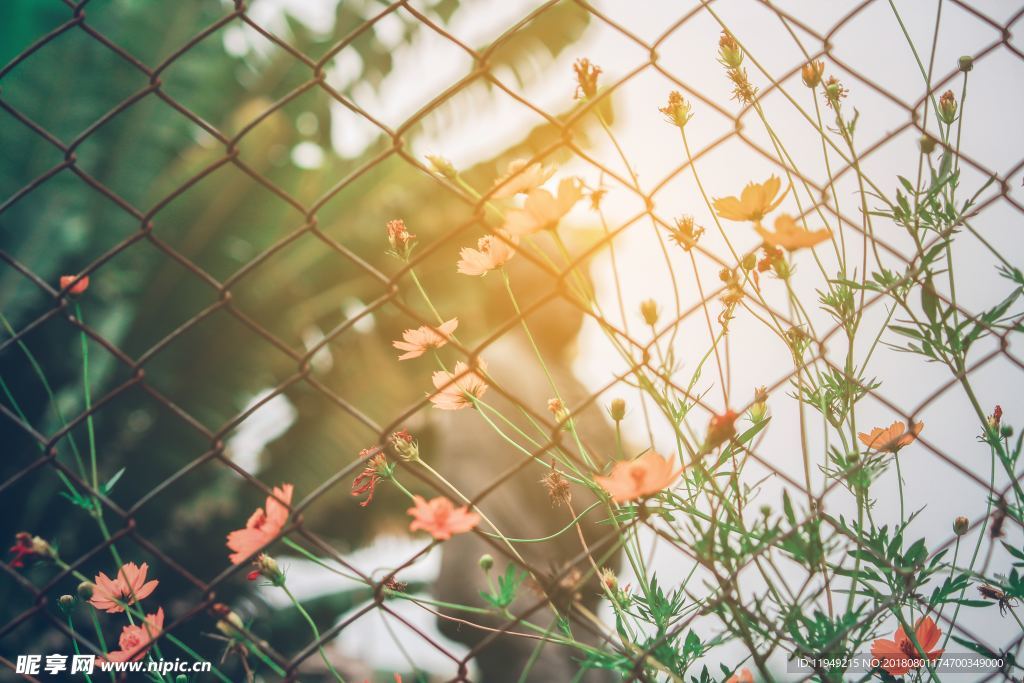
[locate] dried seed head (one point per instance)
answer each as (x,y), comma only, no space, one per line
(677,111)
(834,92)
(947,107)
(557,487)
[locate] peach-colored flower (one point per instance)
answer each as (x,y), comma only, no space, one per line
(742,676)
(891,438)
(491,252)
(644,476)
(522,176)
(416,342)
(136,639)
(454,389)
(756,200)
(791,236)
(76,288)
(129,586)
(262,527)
(543,210)
(893,654)
(440,518)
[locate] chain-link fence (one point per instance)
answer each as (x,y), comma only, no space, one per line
(157,212)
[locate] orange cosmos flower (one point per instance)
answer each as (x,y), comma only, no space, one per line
(756,201)
(491,252)
(440,518)
(892,438)
(78,287)
(454,389)
(416,342)
(543,210)
(742,676)
(791,236)
(893,654)
(262,527)
(136,639)
(645,476)
(130,586)
(521,176)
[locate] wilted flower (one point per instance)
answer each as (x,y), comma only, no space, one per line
(586,78)
(77,285)
(756,201)
(891,438)
(645,476)
(522,176)
(27,545)
(491,252)
(791,236)
(400,239)
(812,72)
(947,107)
(418,341)
(405,445)
(440,518)
(377,468)
(454,389)
(898,654)
(136,639)
(677,111)
(262,527)
(742,89)
(557,487)
(995,418)
(686,233)
(267,567)
(112,595)
(542,210)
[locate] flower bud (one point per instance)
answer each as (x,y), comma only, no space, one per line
(749,261)
(442,166)
(759,410)
(649,311)
(812,73)
(609,580)
(486,562)
(947,107)
(730,55)
(557,409)
(66,603)
(617,409)
(1006,431)
(85,590)
(766,511)
(960,525)
(927,144)
(966,63)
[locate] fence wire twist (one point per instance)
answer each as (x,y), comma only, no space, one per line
(61,307)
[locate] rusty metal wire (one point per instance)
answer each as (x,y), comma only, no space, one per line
(78,20)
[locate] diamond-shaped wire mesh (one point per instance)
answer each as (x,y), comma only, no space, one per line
(144,149)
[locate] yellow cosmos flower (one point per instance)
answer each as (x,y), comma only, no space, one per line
(790,236)
(753,204)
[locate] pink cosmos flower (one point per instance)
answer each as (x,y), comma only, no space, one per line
(454,389)
(644,476)
(416,342)
(130,586)
(136,639)
(521,176)
(440,518)
(742,676)
(543,210)
(491,252)
(262,527)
